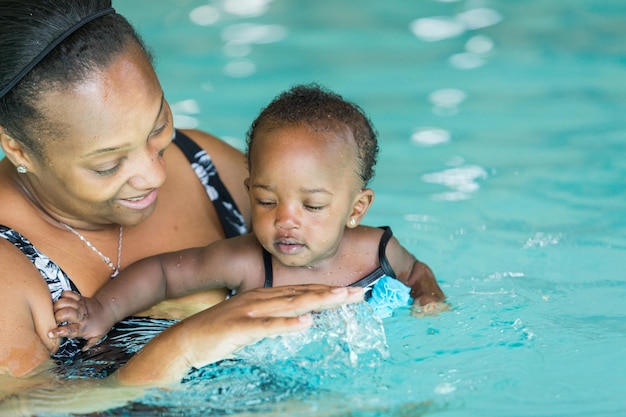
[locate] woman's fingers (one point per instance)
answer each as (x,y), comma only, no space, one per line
(270,327)
(295,300)
(70,330)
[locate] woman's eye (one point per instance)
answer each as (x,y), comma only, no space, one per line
(161,128)
(106,172)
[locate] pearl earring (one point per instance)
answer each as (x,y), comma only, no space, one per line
(352,222)
(21,169)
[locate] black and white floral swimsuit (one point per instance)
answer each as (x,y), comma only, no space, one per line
(129,335)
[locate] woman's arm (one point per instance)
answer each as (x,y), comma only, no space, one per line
(26,315)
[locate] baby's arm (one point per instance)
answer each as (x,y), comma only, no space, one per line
(142,285)
(136,288)
(424,287)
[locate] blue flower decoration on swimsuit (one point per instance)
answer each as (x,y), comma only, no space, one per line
(387,295)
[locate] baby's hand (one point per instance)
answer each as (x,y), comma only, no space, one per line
(431,309)
(79,316)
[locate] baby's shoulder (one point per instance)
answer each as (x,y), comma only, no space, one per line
(370,233)
(240,247)
(366,239)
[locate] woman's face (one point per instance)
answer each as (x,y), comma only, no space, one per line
(104,158)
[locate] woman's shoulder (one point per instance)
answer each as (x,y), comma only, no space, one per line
(26,305)
(17,272)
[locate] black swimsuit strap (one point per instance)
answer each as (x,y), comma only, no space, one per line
(269,272)
(227,211)
(384,268)
(382,255)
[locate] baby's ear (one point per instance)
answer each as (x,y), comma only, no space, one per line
(361,204)
(246,183)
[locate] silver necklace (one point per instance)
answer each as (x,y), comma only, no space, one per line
(116,270)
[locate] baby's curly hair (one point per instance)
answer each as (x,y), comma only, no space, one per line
(321,110)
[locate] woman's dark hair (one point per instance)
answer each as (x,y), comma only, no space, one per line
(320,110)
(27,27)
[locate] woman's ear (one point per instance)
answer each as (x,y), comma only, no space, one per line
(361,205)
(13,150)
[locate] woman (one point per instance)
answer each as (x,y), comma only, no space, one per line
(90,149)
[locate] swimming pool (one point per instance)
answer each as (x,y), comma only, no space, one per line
(502,166)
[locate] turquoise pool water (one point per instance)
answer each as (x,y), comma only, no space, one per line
(503,167)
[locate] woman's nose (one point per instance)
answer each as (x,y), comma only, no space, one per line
(149,170)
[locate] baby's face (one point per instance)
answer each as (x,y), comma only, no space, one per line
(302,189)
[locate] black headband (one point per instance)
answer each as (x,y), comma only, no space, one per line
(41,55)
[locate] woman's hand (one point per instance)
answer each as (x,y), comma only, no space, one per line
(249,317)
(214,334)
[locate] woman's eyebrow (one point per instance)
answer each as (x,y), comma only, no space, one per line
(114,149)
(160,108)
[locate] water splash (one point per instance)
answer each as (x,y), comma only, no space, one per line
(340,345)
(352,335)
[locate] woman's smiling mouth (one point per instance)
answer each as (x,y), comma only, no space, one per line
(140,203)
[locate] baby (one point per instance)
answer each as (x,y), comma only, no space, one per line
(310,157)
